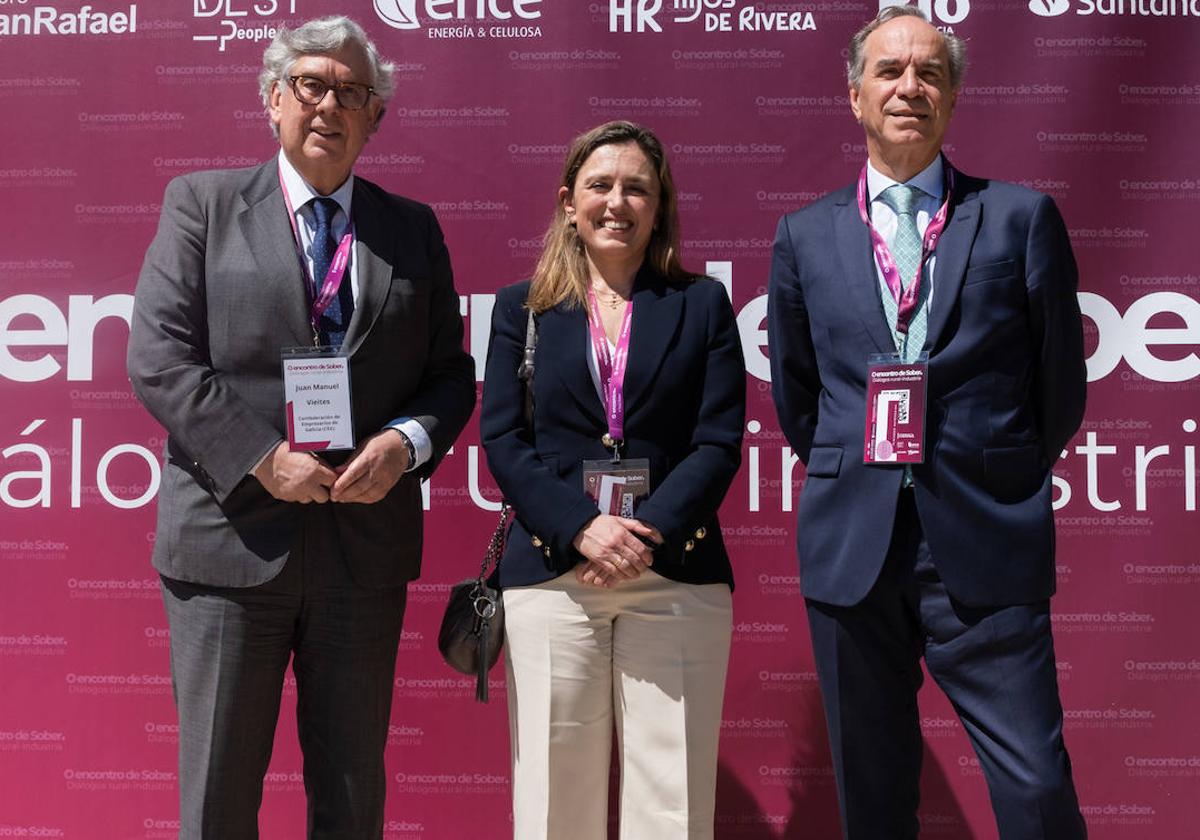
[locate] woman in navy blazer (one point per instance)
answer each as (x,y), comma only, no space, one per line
(615,621)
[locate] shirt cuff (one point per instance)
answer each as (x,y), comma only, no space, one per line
(417,436)
(266,455)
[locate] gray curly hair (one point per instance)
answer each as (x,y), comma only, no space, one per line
(321,37)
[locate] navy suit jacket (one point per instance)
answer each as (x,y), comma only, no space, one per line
(685,391)
(1006,391)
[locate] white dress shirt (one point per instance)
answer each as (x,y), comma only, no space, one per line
(301,195)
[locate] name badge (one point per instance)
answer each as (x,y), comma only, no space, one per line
(895,430)
(316,393)
(617,487)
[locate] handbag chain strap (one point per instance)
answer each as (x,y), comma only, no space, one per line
(496,544)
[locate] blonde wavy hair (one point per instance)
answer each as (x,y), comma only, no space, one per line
(561,275)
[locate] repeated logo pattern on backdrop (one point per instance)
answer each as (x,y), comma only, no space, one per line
(1087,100)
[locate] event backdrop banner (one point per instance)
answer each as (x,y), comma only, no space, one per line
(1092,101)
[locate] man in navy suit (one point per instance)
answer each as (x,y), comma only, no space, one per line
(965,289)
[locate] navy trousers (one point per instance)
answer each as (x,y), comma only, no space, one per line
(995,664)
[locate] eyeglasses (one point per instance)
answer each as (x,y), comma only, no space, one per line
(311,91)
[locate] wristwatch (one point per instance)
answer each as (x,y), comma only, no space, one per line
(412,450)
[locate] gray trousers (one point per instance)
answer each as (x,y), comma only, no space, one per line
(230,649)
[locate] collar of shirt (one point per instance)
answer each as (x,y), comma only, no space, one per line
(929,180)
(301,194)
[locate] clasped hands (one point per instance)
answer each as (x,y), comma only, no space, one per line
(366,477)
(613,550)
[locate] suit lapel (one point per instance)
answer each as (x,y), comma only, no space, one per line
(657,310)
(562,342)
(859,273)
(374,250)
(952,252)
(269,237)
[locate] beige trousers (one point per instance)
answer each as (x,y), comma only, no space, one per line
(647,657)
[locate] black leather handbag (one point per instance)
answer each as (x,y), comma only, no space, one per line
(472,631)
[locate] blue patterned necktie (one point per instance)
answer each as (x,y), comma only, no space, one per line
(906,252)
(336,318)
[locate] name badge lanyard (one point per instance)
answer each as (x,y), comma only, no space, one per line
(319,300)
(906,298)
(611,367)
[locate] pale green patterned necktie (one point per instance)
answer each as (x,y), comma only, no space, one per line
(906,252)
(905,248)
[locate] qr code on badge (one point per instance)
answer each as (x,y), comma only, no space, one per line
(627,504)
(900,397)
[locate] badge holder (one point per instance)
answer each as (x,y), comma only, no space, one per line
(896,391)
(617,485)
(316,393)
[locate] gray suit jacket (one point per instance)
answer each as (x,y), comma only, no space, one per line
(221,293)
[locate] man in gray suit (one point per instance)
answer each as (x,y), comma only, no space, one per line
(268,553)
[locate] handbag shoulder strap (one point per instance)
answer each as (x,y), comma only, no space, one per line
(525,370)
(525,374)
(495,548)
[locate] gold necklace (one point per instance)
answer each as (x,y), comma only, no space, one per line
(608,297)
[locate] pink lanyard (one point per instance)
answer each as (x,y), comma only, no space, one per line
(333,277)
(611,367)
(906,298)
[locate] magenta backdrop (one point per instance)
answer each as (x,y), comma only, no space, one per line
(1093,101)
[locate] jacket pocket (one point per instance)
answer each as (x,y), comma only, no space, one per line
(1013,473)
(990,271)
(824,461)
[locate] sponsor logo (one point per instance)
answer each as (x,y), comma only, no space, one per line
(240,20)
(86,20)
(709,15)
(942,13)
(1049,8)
(1119,8)
(398,14)
(634,15)
(462,19)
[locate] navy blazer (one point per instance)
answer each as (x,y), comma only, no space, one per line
(1006,391)
(685,393)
